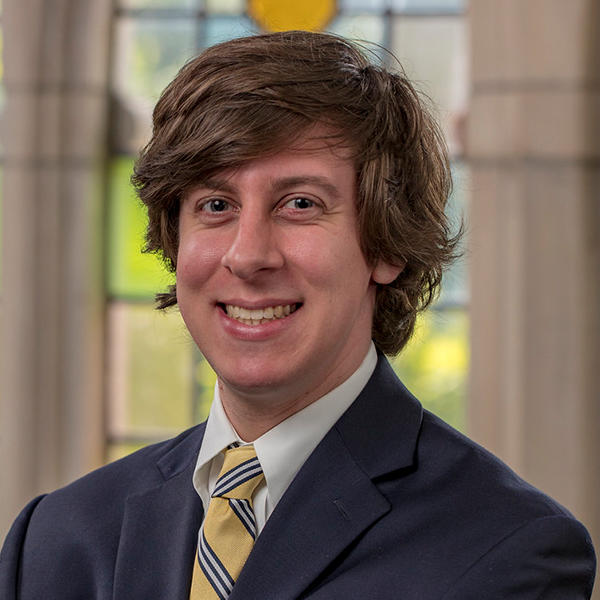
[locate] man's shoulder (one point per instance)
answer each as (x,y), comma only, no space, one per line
(426,456)
(101,494)
(461,510)
(482,507)
(458,463)
(504,526)
(440,462)
(77,531)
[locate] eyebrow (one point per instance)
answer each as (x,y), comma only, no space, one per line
(215,183)
(316,180)
(280,184)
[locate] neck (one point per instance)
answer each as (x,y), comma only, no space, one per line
(253,415)
(253,411)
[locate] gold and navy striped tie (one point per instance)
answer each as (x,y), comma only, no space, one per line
(229,529)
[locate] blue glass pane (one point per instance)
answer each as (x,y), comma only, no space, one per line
(362,6)
(428,6)
(455,286)
(369,28)
(158,3)
(220,29)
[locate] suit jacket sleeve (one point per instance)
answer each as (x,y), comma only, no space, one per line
(10,557)
(550,558)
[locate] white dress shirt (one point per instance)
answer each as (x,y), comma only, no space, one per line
(283,449)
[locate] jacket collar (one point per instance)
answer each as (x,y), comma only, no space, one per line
(381,428)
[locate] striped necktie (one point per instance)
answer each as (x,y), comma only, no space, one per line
(229,529)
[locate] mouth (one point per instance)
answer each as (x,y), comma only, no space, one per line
(258,316)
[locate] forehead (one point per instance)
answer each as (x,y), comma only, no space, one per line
(316,147)
(309,161)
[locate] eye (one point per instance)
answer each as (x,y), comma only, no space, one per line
(300,203)
(300,208)
(215,205)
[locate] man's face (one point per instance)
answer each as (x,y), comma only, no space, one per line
(271,280)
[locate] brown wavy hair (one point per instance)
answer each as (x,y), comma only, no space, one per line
(253,96)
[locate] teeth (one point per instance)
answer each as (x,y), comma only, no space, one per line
(259,315)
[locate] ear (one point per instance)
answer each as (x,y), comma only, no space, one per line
(385,273)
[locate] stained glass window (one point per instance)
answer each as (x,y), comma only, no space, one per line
(158,382)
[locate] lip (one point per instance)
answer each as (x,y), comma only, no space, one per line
(258,304)
(262,331)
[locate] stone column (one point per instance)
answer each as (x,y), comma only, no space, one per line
(56,64)
(534,150)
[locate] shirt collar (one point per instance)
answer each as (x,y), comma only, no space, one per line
(219,433)
(283,449)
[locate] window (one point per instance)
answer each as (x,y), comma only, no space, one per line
(158,382)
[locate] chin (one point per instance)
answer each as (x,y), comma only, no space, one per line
(254,379)
(253,383)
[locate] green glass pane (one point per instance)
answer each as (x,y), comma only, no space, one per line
(205,379)
(434,365)
(148,54)
(150,372)
(130,273)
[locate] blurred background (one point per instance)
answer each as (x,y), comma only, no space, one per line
(510,352)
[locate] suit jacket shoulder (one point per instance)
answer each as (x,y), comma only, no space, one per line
(85,533)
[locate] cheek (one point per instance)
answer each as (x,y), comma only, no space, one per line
(331,260)
(196,261)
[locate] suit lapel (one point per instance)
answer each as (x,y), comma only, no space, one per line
(160,529)
(327,505)
(333,499)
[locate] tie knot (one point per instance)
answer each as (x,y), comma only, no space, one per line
(240,475)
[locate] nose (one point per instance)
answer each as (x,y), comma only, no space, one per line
(254,248)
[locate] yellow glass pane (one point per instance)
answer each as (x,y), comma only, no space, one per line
(281,15)
(118,450)
(150,372)
(434,364)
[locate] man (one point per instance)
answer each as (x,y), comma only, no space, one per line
(298,192)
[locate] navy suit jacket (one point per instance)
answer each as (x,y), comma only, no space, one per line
(393,503)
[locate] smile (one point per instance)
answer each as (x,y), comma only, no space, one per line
(257,316)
